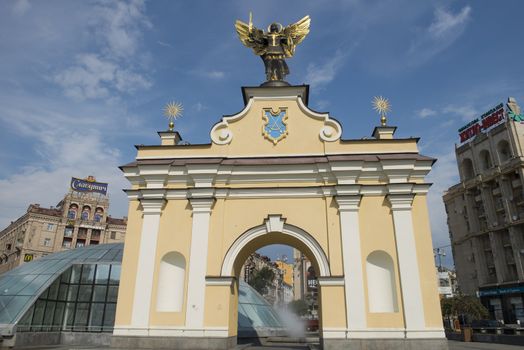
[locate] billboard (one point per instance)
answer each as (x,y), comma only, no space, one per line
(88,185)
(491,118)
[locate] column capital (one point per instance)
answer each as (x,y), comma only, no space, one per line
(152,206)
(201,205)
(348,203)
(400,201)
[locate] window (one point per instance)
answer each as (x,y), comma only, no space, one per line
(80,244)
(68,231)
(8,246)
(71,214)
(50,227)
(47,242)
(66,243)
(113,235)
(86,211)
(99,213)
(443,282)
(467,169)
(485,159)
(95,234)
(504,151)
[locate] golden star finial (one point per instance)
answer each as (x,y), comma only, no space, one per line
(382,106)
(173,111)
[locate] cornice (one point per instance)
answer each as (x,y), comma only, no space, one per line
(228,172)
(341,192)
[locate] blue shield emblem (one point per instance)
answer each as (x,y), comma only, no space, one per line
(275,127)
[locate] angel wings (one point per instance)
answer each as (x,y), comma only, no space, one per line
(277,40)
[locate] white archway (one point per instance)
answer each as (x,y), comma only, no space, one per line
(275,224)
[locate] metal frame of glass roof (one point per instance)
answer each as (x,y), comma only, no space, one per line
(21,287)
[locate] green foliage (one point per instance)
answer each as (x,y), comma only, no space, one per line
(262,279)
(298,307)
(464,305)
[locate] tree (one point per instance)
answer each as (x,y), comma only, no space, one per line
(262,279)
(298,307)
(463,305)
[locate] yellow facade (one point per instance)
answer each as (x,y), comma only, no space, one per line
(356,208)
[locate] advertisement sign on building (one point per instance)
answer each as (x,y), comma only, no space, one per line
(88,185)
(489,119)
(28,257)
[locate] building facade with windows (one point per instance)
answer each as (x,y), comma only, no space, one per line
(79,219)
(486,211)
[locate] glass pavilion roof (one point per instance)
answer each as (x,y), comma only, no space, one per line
(21,287)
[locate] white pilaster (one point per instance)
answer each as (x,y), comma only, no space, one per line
(401,205)
(152,209)
(198,262)
(352,260)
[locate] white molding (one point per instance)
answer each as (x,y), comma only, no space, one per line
(352,261)
(278,192)
(400,201)
(293,231)
(333,333)
(198,262)
(428,333)
(330,131)
(201,205)
(221,134)
(219,280)
(166,331)
(413,306)
(146,262)
(274,223)
(376,333)
(152,206)
(331,281)
(339,172)
(348,203)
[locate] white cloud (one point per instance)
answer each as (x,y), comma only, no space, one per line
(65,146)
(322,74)
(120,25)
(20,7)
(443,31)
(466,112)
(446,22)
(215,74)
(161,43)
(425,112)
(94,77)
(199,107)
(321,105)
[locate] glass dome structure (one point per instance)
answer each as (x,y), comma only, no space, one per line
(76,291)
(37,295)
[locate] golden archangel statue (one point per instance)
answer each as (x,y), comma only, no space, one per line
(275,45)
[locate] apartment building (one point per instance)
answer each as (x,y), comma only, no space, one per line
(79,219)
(486,211)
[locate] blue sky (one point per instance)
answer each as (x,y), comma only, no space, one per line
(81,82)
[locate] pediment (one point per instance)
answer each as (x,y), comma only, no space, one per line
(276,120)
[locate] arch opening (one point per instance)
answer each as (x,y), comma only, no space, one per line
(504,151)
(308,263)
(485,159)
(467,169)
